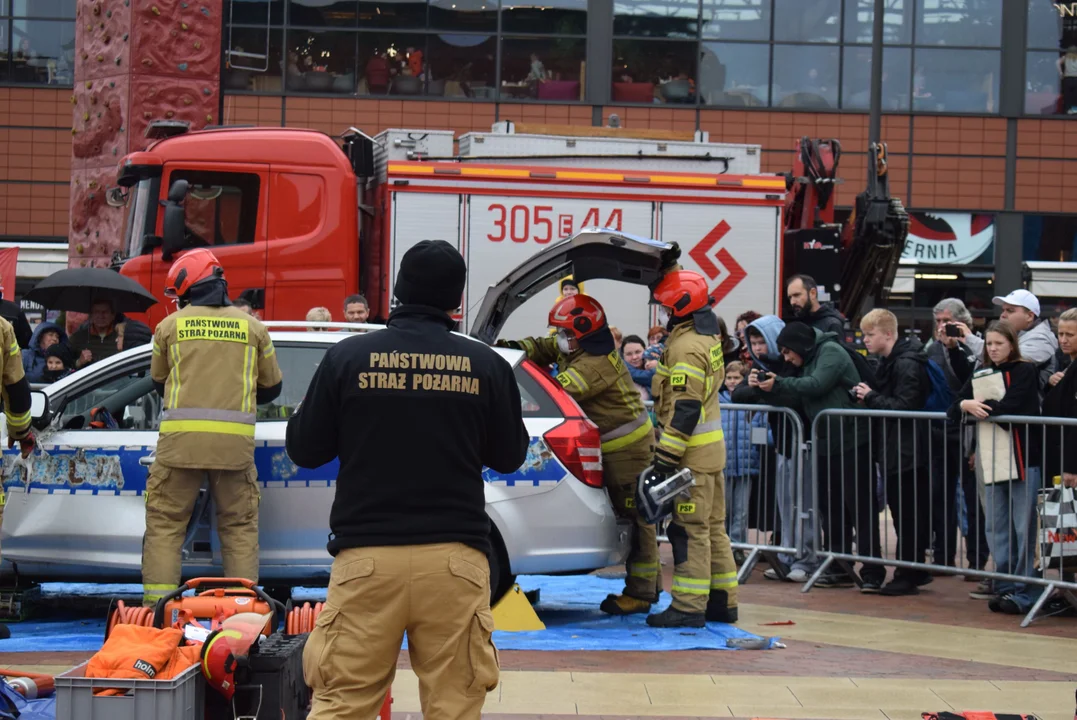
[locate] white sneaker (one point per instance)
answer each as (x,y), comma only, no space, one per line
(795,575)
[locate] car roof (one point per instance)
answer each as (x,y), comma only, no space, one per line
(290,331)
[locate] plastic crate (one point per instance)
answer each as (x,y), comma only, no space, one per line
(182,698)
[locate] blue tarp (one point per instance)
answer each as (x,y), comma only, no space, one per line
(567,605)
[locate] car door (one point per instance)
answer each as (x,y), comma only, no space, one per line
(77,507)
(592,254)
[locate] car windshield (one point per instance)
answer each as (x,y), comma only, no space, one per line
(138,201)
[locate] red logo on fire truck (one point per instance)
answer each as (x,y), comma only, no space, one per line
(700,253)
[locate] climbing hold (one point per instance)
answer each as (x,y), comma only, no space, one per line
(97,233)
(100,58)
(74,100)
(113,151)
(125,37)
(154,10)
(147,62)
(93,99)
(89,27)
(118,59)
(74,131)
(85,116)
(197,44)
(107,39)
(98,114)
(121,128)
(147,115)
(183,5)
(79,248)
(182,66)
(108,13)
(169,114)
(96,9)
(209,118)
(184,27)
(207,91)
(187,101)
(205,11)
(111,83)
(85,56)
(91,197)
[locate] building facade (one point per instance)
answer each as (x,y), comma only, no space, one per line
(977,96)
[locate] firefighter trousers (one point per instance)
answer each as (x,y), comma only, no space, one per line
(621,469)
(702,557)
(170,497)
(440,595)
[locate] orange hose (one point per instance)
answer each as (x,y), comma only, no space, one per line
(123,615)
(301,619)
(45,683)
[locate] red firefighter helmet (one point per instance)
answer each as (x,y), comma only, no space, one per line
(683,291)
(227,648)
(190,268)
(580,315)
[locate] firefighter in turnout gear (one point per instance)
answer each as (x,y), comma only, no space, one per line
(213,364)
(593,373)
(685,388)
(16,398)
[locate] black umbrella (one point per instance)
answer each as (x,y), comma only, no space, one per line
(76,289)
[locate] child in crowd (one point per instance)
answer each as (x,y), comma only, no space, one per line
(56,363)
(742,457)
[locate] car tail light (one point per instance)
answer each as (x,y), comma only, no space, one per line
(575,442)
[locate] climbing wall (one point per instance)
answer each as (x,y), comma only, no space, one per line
(136,61)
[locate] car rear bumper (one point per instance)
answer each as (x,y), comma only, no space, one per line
(572,528)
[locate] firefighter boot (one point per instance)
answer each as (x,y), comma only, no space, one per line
(626,605)
(718,609)
(673,618)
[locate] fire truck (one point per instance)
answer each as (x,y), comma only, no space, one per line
(300,219)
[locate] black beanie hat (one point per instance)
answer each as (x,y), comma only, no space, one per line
(798,337)
(57,350)
(431,273)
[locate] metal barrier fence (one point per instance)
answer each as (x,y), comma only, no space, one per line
(767,510)
(924,478)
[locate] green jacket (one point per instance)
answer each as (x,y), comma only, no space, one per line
(823,383)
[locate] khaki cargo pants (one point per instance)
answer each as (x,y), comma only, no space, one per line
(171,494)
(621,469)
(440,595)
(702,556)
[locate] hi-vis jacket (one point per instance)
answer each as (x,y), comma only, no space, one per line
(604,389)
(211,361)
(16,389)
(685,388)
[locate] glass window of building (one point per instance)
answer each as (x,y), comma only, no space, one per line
(402,14)
(813,21)
(968,23)
(391,63)
(323,13)
(956,80)
(897,21)
(321,61)
(1049,29)
(654,71)
(542,68)
(461,66)
(55,9)
(464,15)
(1050,69)
(734,74)
(656,18)
(42,52)
(736,19)
(805,77)
(856,78)
(1051,238)
(551,17)
(254,12)
(254,59)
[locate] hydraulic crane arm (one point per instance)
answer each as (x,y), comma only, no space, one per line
(872,240)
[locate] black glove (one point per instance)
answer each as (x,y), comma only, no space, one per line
(512,344)
(26,444)
(670,257)
(663,468)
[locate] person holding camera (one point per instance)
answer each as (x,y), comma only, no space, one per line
(954,350)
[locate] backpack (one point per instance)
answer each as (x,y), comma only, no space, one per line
(941,396)
(864,369)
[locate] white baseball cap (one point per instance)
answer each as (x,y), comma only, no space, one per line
(1021,298)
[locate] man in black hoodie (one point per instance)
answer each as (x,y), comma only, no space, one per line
(803,296)
(901,445)
(413,412)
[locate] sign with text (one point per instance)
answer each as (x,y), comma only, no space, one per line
(950,238)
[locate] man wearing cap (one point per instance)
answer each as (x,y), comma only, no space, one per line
(414,413)
(1021,310)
